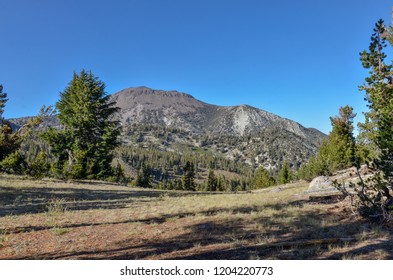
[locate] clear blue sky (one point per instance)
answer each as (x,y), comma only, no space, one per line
(298,59)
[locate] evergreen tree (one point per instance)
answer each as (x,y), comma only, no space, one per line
(84,148)
(144,176)
(14,163)
(285,173)
(378,87)
(341,139)
(188,176)
(262,179)
(119,174)
(211,181)
(39,166)
(9,141)
(336,152)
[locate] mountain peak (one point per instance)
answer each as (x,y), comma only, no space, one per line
(181,110)
(143,90)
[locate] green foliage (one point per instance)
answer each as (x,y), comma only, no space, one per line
(342,139)
(366,148)
(375,196)
(336,152)
(144,176)
(189,177)
(119,175)
(167,168)
(39,167)
(212,181)
(12,159)
(59,141)
(14,163)
(262,179)
(84,148)
(285,173)
(9,141)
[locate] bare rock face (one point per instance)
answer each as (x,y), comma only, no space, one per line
(321,184)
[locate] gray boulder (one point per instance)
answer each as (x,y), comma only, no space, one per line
(321,184)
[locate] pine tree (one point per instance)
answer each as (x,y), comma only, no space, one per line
(211,181)
(336,152)
(378,87)
(14,163)
(262,179)
(144,176)
(285,173)
(39,166)
(341,138)
(84,148)
(188,176)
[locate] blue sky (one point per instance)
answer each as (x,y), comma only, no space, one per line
(297,59)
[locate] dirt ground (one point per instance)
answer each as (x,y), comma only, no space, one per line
(51,219)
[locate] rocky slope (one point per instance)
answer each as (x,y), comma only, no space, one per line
(181,110)
(239,132)
(175,121)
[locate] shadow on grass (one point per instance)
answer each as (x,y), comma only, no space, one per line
(157,220)
(19,201)
(233,238)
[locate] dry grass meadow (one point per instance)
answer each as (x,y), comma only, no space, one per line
(49,219)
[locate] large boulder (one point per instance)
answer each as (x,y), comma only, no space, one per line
(321,184)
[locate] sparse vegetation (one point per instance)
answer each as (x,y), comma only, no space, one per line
(94,220)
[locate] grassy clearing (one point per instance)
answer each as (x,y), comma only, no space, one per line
(49,219)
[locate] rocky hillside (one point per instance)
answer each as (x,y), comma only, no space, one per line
(167,119)
(181,110)
(177,122)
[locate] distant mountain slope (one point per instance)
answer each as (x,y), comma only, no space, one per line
(171,120)
(177,122)
(176,109)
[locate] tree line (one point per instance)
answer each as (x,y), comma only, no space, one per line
(87,145)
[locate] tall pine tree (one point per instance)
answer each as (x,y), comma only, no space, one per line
(84,148)
(285,173)
(211,181)
(377,195)
(341,139)
(188,176)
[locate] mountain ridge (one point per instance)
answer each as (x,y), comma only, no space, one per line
(177,122)
(171,108)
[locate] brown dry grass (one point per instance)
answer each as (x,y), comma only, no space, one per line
(49,219)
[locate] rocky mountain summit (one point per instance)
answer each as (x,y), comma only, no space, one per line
(181,110)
